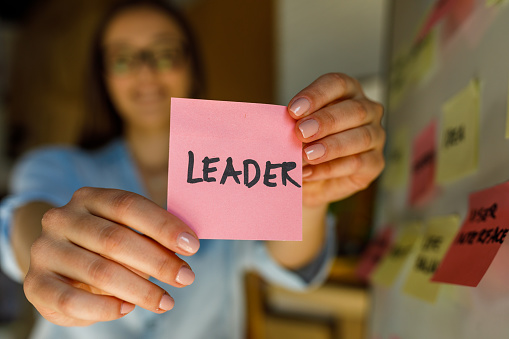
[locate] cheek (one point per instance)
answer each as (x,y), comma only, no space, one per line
(179,83)
(118,89)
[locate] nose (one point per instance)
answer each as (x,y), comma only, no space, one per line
(146,72)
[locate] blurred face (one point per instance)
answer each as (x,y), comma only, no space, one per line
(146,64)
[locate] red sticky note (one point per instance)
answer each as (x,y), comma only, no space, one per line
(235,170)
(423,165)
(441,9)
(377,248)
(452,14)
(479,238)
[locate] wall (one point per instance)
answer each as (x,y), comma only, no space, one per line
(237,42)
(314,38)
(469,44)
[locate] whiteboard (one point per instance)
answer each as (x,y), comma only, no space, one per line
(477,49)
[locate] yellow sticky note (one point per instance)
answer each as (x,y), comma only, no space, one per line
(398,156)
(411,65)
(459,135)
(438,235)
(422,58)
(390,266)
(491,3)
(507,118)
(399,81)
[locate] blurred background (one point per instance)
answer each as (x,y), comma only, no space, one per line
(255,51)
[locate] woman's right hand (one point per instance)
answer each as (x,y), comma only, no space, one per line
(90,264)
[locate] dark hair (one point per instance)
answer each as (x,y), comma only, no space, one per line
(102,122)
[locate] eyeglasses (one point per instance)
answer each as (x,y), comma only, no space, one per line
(159,59)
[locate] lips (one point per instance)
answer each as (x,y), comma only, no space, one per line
(149,97)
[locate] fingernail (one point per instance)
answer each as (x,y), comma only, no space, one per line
(188,243)
(314,151)
(300,106)
(185,276)
(126,308)
(309,128)
(306,171)
(166,303)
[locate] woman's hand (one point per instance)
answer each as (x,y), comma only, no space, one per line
(90,264)
(342,135)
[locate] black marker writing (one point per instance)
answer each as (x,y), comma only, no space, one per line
(400,251)
(454,136)
(269,176)
(206,169)
(423,161)
(432,242)
(190,166)
(247,182)
(378,247)
(427,265)
(481,214)
(229,171)
(485,236)
(395,155)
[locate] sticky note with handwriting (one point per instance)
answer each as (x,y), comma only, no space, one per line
(507,117)
(438,235)
(401,250)
(398,159)
(459,136)
(235,170)
(479,238)
(423,56)
(422,184)
(375,251)
(491,3)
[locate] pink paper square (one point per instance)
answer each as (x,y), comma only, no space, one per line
(215,205)
(479,239)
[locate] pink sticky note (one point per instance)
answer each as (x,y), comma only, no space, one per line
(423,166)
(441,9)
(479,239)
(376,249)
(235,170)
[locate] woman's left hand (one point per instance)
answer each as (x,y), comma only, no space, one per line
(342,137)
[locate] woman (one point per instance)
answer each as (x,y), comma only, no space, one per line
(102,251)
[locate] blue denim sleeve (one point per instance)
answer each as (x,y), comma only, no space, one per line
(310,276)
(44,175)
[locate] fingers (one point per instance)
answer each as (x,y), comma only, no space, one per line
(353,141)
(65,305)
(339,128)
(342,138)
(135,251)
(338,117)
(316,193)
(141,214)
(369,163)
(92,246)
(73,262)
(324,90)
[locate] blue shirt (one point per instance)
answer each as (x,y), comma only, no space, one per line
(212,307)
